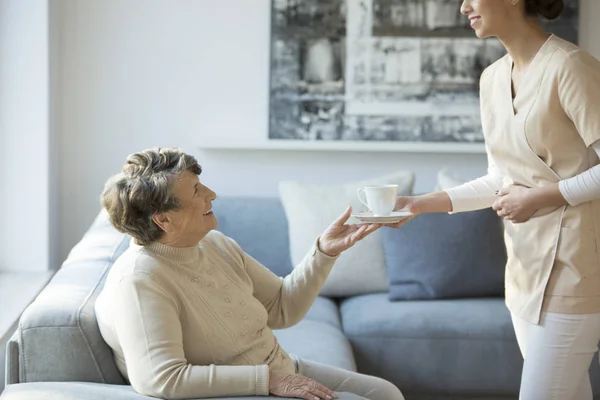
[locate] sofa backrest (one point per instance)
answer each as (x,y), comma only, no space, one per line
(58,333)
(59,338)
(259,226)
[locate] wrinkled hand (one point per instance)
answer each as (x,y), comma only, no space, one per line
(514,204)
(298,386)
(339,237)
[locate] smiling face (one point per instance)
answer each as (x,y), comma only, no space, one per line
(492,17)
(189,223)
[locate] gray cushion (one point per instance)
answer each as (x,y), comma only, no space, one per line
(452,347)
(318,341)
(259,226)
(59,336)
(318,337)
(437,256)
(325,310)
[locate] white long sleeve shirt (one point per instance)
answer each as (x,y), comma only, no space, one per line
(481,192)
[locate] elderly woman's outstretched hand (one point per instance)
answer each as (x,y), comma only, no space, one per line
(339,237)
(298,386)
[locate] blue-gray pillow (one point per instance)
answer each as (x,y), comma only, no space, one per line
(443,256)
(259,226)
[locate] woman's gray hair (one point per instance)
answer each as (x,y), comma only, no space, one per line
(144,187)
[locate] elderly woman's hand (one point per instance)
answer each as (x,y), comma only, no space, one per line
(298,386)
(339,237)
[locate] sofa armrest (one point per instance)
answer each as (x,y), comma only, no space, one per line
(11,373)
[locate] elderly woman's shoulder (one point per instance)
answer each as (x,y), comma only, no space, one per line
(137,259)
(137,267)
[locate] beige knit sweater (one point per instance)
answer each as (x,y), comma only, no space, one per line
(196,322)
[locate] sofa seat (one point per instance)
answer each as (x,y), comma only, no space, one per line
(326,311)
(450,347)
(319,337)
(316,341)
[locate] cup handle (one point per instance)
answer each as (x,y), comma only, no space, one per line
(360,192)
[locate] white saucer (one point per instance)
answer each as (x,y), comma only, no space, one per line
(395,216)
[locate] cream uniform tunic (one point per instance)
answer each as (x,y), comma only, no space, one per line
(539,139)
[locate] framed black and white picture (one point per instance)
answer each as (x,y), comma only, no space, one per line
(390,71)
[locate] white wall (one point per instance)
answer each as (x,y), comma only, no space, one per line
(24,135)
(141,73)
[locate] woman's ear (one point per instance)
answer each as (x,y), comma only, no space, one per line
(162,220)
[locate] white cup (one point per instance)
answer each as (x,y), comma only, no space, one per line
(379,199)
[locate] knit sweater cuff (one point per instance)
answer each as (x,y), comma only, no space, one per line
(320,257)
(262,380)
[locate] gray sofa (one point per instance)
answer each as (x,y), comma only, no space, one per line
(451,349)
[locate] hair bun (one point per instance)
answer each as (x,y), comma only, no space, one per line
(550,9)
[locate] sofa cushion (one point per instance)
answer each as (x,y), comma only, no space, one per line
(319,336)
(259,226)
(325,310)
(59,339)
(452,347)
(310,209)
(317,341)
(441,256)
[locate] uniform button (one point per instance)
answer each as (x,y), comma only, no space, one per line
(212,285)
(244,316)
(226,287)
(260,320)
(242,303)
(195,279)
(227,300)
(244,333)
(209,272)
(228,314)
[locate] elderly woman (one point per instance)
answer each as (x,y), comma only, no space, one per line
(188,314)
